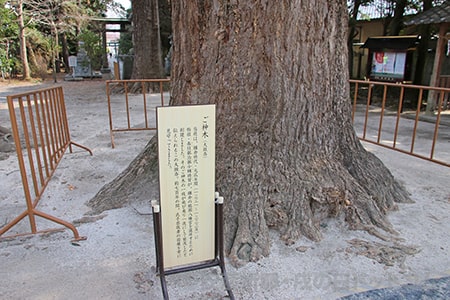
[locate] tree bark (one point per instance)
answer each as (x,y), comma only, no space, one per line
(147,62)
(352,32)
(65,52)
(22,42)
(287,155)
(396,23)
(422,48)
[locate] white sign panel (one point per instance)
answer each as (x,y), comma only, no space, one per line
(389,64)
(72,61)
(186,153)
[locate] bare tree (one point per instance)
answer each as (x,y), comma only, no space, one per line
(287,154)
(22,40)
(57,16)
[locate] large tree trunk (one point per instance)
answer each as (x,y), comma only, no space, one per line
(287,154)
(147,63)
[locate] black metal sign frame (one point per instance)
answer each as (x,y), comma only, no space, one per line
(218,261)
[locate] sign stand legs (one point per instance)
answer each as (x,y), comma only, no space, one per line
(219,260)
(158,248)
(219,243)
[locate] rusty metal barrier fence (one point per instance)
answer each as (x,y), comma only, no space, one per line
(383,105)
(392,115)
(131,101)
(40,128)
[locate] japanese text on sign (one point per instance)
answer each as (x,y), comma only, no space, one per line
(186,145)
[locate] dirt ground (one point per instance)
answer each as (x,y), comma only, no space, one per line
(117,261)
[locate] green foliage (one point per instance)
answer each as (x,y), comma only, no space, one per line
(39,51)
(8,39)
(39,42)
(93,46)
(6,63)
(126,41)
(8,26)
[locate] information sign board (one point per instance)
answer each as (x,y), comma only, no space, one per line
(388,65)
(186,154)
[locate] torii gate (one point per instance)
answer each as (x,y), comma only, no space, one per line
(110,21)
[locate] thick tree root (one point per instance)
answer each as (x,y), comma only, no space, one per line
(301,201)
(295,199)
(252,237)
(138,182)
(388,254)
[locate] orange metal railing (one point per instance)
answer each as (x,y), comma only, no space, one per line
(392,115)
(125,105)
(384,103)
(40,128)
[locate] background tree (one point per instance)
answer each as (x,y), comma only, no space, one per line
(18,8)
(51,20)
(57,17)
(396,23)
(353,11)
(93,46)
(147,61)
(287,154)
(165,31)
(70,37)
(8,40)
(422,48)
(39,50)
(165,24)
(393,13)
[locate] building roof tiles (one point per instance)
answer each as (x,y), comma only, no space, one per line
(436,15)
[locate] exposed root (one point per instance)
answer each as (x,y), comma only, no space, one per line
(387,254)
(247,250)
(6,141)
(88,219)
(289,195)
(136,183)
(377,233)
(251,242)
(296,205)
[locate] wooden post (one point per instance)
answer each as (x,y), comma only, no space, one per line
(434,81)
